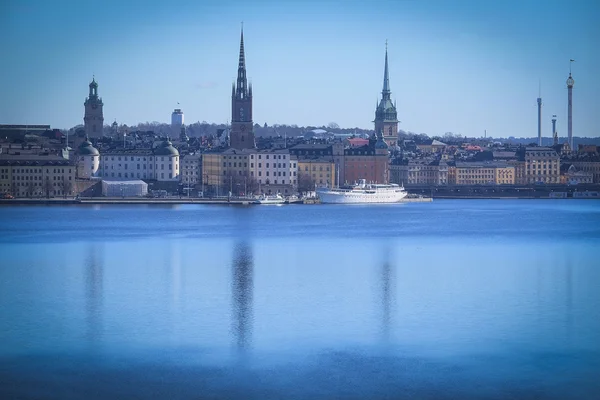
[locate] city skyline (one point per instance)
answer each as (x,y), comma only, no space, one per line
(450,70)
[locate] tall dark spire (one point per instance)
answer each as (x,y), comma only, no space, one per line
(242,85)
(386,77)
(242,63)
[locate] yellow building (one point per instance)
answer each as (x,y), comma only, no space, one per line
(504,175)
(484,173)
(36,175)
(322,171)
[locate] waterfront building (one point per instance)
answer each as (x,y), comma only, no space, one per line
(572,176)
(317,171)
(592,167)
(93,120)
(242,128)
(419,172)
(386,116)
(267,171)
(34,175)
(542,165)
(191,169)
(484,173)
(160,163)
(88,160)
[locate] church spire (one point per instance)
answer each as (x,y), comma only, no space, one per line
(242,84)
(386,77)
(242,63)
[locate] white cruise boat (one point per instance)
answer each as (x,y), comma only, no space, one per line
(362,192)
(270,199)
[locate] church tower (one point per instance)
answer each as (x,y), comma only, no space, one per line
(93,120)
(242,135)
(386,117)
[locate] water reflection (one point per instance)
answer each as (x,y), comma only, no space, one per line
(387,295)
(242,285)
(94,277)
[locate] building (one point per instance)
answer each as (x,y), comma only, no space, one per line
(592,167)
(127,188)
(419,172)
(368,162)
(88,160)
(32,175)
(242,134)
(484,173)
(160,163)
(191,169)
(93,120)
(386,117)
(250,171)
(571,176)
(542,165)
(176,121)
(316,171)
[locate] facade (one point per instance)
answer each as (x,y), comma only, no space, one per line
(241,135)
(542,165)
(386,117)
(484,173)
(255,171)
(419,172)
(367,162)
(592,167)
(191,169)
(160,164)
(36,175)
(93,120)
(572,176)
(322,171)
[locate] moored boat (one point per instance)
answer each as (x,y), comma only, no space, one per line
(269,199)
(362,192)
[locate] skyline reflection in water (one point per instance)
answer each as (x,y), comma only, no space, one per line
(349,315)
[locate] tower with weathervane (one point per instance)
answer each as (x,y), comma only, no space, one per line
(241,135)
(386,117)
(93,120)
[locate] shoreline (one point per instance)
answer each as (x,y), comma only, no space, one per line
(246,202)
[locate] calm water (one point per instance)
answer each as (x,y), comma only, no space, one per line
(452,300)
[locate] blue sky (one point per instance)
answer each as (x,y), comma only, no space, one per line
(459,66)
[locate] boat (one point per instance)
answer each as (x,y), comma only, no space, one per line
(269,199)
(293,199)
(362,192)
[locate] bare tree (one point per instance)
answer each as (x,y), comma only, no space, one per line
(67,187)
(30,189)
(48,187)
(305,182)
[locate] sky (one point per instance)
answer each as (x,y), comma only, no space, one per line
(455,66)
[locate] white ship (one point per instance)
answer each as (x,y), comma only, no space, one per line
(362,192)
(270,199)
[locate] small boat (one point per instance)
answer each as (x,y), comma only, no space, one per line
(270,199)
(293,199)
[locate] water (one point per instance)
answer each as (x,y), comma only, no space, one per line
(450,299)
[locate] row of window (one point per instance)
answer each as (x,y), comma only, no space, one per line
(132,175)
(112,158)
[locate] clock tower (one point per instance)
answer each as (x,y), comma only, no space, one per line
(242,135)
(93,120)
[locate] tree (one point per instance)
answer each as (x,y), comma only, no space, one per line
(67,187)
(48,187)
(305,182)
(333,125)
